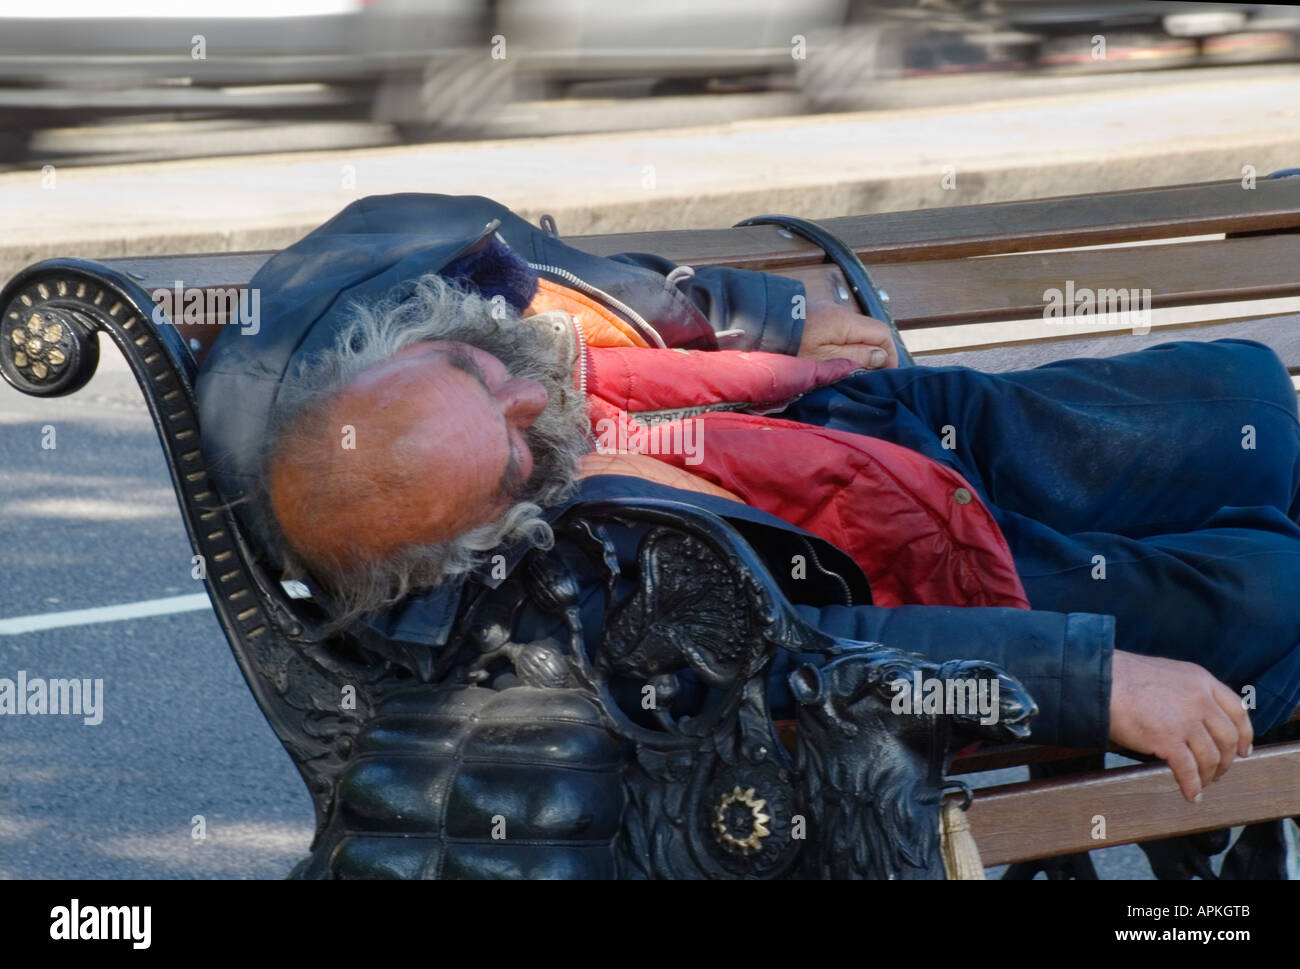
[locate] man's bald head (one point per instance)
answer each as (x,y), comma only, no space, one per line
(433,433)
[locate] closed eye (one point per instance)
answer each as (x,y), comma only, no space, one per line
(463,359)
(512,479)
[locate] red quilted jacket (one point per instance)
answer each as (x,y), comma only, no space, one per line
(916,527)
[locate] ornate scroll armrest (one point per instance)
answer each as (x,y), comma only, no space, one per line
(714,793)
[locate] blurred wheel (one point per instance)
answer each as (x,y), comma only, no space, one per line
(459,90)
(836,74)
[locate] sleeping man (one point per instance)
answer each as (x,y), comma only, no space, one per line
(435,380)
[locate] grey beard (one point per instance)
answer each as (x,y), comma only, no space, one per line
(560,436)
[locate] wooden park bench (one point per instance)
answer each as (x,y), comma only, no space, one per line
(965,285)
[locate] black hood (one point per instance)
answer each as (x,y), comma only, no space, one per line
(371,250)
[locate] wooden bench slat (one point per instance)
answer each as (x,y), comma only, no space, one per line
(977,230)
(1010,287)
(949,292)
(1039,819)
(1281,333)
(945,285)
(891,237)
(207,270)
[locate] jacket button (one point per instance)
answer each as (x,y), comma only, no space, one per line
(962,495)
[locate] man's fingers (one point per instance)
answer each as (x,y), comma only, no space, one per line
(876,332)
(1182,762)
(1224,733)
(863,354)
(859,353)
(1231,704)
(862,339)
(1206,752)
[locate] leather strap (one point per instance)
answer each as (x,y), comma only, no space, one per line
(839,252)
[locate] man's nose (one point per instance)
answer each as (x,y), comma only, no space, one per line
(523,401)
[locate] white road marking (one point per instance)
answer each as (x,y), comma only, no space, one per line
(126,610)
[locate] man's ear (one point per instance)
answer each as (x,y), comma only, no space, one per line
(559,326)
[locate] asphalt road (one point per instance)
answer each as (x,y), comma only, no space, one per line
(93,523)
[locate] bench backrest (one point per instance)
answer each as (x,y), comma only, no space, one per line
(956,277)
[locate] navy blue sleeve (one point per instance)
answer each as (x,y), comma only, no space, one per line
(1062,659)
(752,310)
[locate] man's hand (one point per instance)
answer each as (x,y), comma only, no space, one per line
(833,327)
(1181,714)
(834,331)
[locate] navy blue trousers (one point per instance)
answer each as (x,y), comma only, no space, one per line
(1161,487)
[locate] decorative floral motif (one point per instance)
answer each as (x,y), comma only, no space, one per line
(39,346)
(735,810)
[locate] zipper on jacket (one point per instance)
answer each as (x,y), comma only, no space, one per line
(844,585)
(582,357)
(582,373)
(638,321)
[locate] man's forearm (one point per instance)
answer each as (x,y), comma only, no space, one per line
(1062,659)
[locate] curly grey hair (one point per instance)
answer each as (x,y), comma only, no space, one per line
(433,309)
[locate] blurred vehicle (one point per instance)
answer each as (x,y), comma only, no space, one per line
(419,64)
(1146,35)
(70,61)
(888,40)
(433,67)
